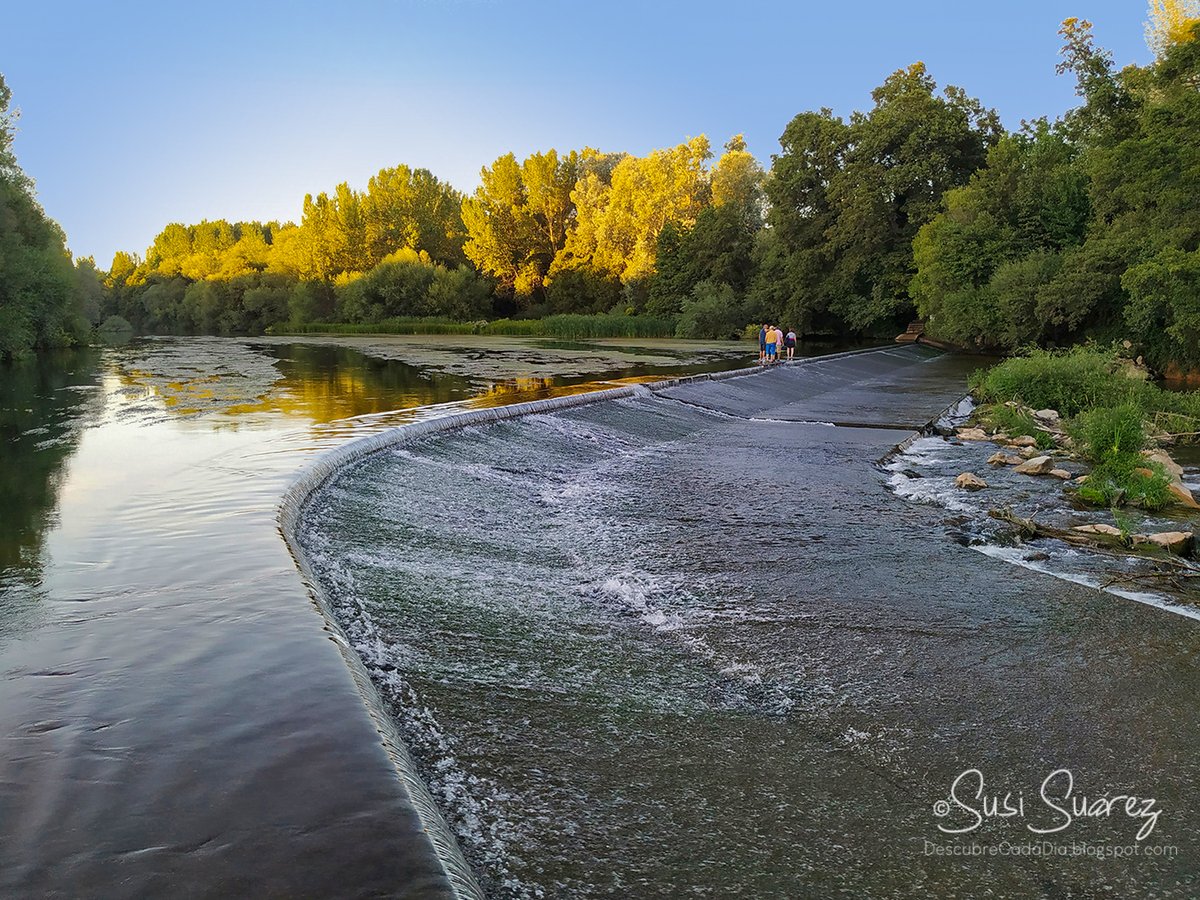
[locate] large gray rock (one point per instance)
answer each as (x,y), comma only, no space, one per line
(1039,465)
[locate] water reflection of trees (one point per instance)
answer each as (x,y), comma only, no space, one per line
(45,404)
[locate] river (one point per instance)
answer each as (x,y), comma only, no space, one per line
(693,642)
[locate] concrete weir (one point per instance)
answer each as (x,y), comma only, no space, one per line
(443,849)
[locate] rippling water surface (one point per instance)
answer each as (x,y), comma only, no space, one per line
(174,718)
(700,642)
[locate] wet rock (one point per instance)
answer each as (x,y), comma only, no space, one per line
(1182,496)
(969,482)
(1061,473)
(972,434)
(1038,465)
(1100,528)
(1000,458)
(1037,557)
(1023,441)
(1177,542)
(911,473)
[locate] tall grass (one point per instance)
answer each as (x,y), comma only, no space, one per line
(1083,379)
(566,327)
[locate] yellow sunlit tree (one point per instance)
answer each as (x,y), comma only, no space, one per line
(1170,23)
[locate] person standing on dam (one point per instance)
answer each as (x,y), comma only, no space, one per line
(789,341)
(762,343)
(771,345)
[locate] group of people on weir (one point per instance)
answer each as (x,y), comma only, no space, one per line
(772,343)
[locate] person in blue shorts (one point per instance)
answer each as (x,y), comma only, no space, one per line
(770,339)
(762,344)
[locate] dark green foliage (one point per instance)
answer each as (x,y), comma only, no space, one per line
(719,248)
(1088,228)
(847,201)
(42,299)
(581,290)
(712,311)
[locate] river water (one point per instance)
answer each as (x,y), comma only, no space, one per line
(702,643)
(174,718)
(705,641)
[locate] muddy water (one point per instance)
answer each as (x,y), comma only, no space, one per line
(697,643)
(174,718)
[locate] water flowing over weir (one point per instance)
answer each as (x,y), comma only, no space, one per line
(684,640)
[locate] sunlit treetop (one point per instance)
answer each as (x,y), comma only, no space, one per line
(1170,23)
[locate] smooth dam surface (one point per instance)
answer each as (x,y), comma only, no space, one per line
(691,643)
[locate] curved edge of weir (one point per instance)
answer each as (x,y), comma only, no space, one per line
(443,847)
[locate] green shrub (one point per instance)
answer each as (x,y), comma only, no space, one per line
(1070,382)
(115,324)
(1109,432)
(1126,480)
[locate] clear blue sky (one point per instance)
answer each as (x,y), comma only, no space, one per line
(136,114)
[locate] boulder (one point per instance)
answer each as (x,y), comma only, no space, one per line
(1177,542)
(1047,416)
(1061,473)
(969,482)
(1082,479)
(1023,441)
(1000,458)
(1109,530)
(1028,452)
(1038,465)
(1174,470)
(971,434)
(1183,496)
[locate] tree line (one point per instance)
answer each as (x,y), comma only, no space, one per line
(920,206)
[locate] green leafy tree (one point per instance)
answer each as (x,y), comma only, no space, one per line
(794,259)
(41,304)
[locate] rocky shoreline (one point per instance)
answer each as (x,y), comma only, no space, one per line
(1052,454)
